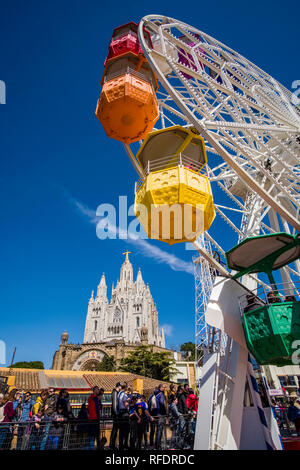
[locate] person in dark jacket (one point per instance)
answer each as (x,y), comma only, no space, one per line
(293,414)
(182,408)
(253,302)
(160,413)
(134,419)
(56,432)
(152,407)
(82,425)
(114,413)
(64,402)
(124,427)
(175,421)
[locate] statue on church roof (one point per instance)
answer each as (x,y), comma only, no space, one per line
(126,253)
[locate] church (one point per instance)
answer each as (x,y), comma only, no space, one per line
(114,327)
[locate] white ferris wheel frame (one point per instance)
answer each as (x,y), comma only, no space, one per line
(245,116)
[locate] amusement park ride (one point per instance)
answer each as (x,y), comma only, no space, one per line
(218,128)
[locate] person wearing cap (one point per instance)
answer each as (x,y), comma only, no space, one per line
(114,413)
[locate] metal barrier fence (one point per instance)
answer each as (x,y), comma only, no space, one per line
(169,162)
(161,434)
(286,427)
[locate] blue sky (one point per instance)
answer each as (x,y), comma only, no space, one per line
(57,165)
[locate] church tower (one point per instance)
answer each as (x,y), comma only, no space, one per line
(126,273)
(94,328)
(130,316)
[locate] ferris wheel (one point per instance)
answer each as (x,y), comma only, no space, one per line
(247,118)
(238,136)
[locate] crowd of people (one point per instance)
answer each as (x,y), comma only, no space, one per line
(141,422)
(38,424)
(287,411)
(138,422)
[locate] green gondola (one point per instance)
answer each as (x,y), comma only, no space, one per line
(271,329)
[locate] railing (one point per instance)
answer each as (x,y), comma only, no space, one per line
(265,295)
(286,427)
(129,70)
(171,161)
(161,434)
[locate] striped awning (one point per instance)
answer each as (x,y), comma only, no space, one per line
(66,381)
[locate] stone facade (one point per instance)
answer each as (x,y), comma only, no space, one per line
(88,356)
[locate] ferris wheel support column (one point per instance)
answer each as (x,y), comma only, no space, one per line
(247,120)
(224,420)
(285,276)
(287,230)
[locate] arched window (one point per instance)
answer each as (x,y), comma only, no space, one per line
(96,325)
(137,321)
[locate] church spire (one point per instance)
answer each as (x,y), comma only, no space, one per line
(126,275)
(103,280)
(91,301)
(102,288)
(139,279)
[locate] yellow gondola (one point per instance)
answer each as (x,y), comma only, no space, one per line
(174,203)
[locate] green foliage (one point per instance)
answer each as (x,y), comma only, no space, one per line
(143,361)
(188,351)
(108,364)
(29,365)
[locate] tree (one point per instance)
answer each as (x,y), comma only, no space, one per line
(188,351)
(108,364)
(143,361)
(29,365)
